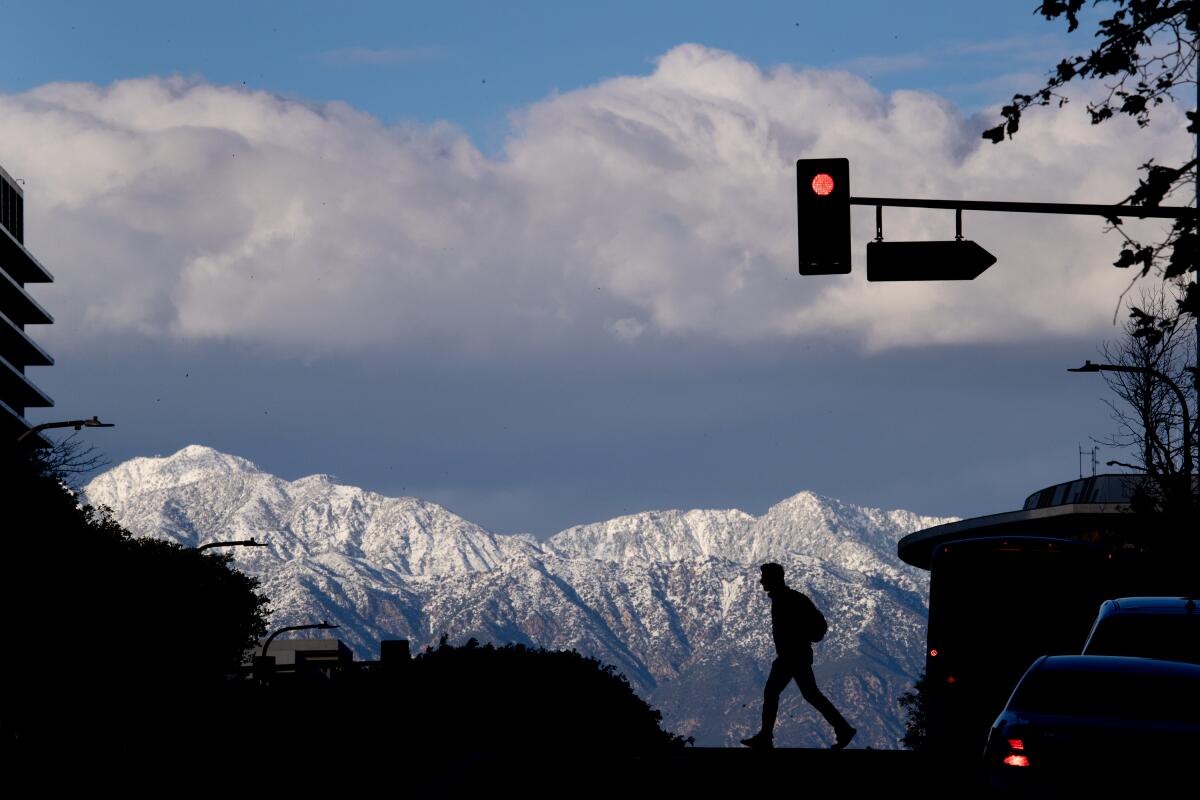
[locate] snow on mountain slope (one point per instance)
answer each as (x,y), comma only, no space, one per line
(671,598)
(655,536)
(199,495)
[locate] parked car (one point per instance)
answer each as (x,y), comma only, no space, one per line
(1079,725)
(1150,627)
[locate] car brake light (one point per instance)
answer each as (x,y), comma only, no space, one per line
(1015,760)
(1016,744)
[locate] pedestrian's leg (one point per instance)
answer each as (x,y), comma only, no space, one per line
(777,681)
(808,687)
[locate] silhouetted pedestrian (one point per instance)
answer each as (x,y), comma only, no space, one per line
(795,624)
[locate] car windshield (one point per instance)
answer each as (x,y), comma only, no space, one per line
(1173,637)
(1109,694)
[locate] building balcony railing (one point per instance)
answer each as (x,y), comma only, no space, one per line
(19,262)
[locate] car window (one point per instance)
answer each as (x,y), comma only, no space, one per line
(1173,637)
(1123,695)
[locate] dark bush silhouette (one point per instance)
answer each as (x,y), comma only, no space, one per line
(472,704)
(109,635)
(914,702)
(552,699)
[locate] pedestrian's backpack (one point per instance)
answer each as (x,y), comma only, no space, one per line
(812,621)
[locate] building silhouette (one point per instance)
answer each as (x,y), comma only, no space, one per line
(18,268)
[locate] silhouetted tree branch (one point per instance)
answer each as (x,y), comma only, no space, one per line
(1147,412)
(69,458)
(1146,53)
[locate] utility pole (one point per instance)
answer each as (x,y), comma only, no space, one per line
(1095,462)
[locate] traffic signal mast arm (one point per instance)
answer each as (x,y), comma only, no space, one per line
(823,203)
(1110,212)
(962,259)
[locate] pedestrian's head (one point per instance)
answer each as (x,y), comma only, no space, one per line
(772,576)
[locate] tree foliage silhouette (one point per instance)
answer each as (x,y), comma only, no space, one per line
(112,629)
(470,716)
(545,698)
(914,703)
(70,458)
(1146,51)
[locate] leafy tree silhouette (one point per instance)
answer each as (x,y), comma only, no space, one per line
(115,635)
(545,698)
(461,716)
(913,702)
(1146,53)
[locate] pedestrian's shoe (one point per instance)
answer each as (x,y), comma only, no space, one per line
(760,741)
(843,738)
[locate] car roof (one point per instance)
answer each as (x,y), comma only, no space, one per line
(1117,665)
(1156,605)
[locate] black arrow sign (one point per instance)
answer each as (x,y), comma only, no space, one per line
(954,260)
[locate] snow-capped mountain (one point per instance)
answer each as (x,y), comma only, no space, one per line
(670,598)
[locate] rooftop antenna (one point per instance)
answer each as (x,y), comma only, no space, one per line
(1095,460)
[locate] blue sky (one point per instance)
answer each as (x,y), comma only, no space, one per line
(535,261)
(472,63)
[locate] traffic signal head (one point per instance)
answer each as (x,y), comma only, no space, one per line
(823,205)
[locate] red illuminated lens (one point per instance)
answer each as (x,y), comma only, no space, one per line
(933,653)
(1016,744)
(823,184)
(1017,761)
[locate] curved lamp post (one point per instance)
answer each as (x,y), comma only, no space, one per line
(324,626)
(251,542)
(1088,366)
(71,423)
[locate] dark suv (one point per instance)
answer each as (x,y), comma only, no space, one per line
(1166,628)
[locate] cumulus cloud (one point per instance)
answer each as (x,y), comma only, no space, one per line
(665,202)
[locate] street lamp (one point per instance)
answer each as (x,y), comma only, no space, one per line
(71,423)
(324,626)
(1088,366)
(251,542)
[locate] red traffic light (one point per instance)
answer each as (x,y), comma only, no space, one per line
(823,214)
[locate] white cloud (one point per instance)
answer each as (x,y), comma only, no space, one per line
(190,210)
